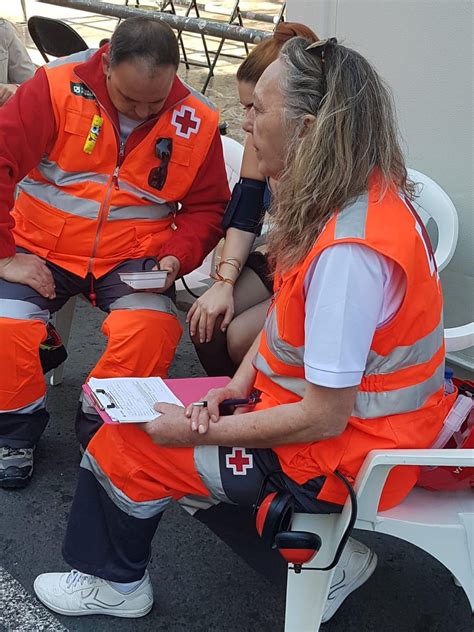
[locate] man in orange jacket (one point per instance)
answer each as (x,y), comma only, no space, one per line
(351,357)
(119,167)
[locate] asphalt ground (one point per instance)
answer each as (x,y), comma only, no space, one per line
(199,583)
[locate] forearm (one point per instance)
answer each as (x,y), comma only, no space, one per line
(196,235)
(321,414)
(235,252)
(281,425)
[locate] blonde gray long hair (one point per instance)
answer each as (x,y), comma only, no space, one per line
(329,163)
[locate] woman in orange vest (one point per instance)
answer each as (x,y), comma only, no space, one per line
(351,357)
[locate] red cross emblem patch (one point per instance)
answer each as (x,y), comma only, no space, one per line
(239,461)
(185,121)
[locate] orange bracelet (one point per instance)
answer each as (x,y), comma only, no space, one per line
(219,277)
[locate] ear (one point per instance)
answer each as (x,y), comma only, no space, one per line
(106,64)
(307,122)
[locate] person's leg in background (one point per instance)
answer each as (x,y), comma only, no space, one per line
(24,314)
(142,331)
(222,355)
(243,330)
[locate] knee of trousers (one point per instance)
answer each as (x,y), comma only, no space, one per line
(126,461)
(141,342)
(22,381)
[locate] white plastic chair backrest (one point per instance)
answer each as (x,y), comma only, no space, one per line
(433,202)
(233,152)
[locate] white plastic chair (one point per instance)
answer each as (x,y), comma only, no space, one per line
(440,523)
(432,202)
(233,152)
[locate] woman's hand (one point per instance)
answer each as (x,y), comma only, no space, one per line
(171,428)
(200,416)
(202,316)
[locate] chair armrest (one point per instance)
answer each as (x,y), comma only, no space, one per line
(459,338)
(377,466)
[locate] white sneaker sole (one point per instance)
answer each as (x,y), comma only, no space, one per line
(334,604)
(111,612)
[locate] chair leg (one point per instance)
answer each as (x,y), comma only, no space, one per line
(306,596)
(63,322)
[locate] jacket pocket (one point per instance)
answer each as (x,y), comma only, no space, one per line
(43,229)
(77,123)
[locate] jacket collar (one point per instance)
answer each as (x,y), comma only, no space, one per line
(92,74)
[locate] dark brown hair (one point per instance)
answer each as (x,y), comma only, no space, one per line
(267,51)
(144,38)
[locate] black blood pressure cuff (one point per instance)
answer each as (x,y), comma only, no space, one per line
(245,209)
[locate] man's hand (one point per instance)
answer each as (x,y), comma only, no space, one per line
(171,428)
(28,270)
(171,265)
(7,90)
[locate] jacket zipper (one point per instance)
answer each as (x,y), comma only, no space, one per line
(113,182)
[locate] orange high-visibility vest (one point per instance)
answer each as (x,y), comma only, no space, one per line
(87,212)
(400,402)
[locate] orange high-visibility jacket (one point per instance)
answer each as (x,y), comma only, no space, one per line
(87,212)
(400,402)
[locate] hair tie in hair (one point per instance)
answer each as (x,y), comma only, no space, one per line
(284,32)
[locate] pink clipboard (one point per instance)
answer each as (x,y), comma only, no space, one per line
(187,389)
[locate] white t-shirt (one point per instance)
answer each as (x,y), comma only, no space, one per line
(127,125)
(350,291)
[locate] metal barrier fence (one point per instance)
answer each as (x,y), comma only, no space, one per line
(177,22)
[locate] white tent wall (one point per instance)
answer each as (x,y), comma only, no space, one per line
(424,50)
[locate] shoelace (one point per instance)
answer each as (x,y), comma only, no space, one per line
(6,452)
(76,578)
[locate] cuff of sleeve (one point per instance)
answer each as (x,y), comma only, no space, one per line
(7,246)
(330,379)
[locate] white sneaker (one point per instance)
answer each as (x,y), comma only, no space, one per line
(76,594)
(356,565)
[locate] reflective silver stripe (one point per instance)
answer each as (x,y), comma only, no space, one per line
(76,58)
(210,104)
(29,408)
(51,195)
(138,509)
(350,222)
(281,349)
(141,193)
(370,404)
(406,356)
(151,211)
(206,461)
(295,385)
(22,310)
(192,503)
(146,300)
(50,171)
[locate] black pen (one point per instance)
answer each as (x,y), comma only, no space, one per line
(247,401)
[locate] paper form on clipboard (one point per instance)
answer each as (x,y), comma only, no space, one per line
(128,399)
